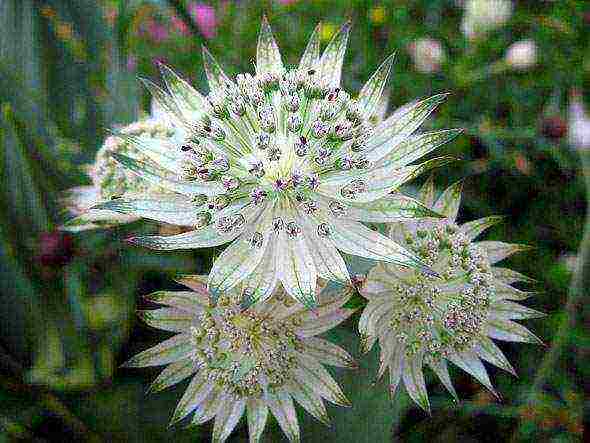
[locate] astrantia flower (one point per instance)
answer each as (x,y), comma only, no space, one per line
(111,180)
(246,361)
(286,165)
(424,321)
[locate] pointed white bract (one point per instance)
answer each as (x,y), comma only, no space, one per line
(420,320)
(246,361)
(111,180)
(282,162)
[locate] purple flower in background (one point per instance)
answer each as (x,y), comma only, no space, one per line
(131,63)
(180,25)
(157,31)
(205,18)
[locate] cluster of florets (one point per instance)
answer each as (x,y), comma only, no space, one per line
(243,352)
(439,321)
(280,134)
(114,180)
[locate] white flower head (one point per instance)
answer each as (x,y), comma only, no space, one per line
(578,122)
(423,321)
(110,179)
(522,55)
(428,54)
(246,361)
(285,165)
(482,16)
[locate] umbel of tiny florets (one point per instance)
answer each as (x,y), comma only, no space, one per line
(248,361)
(286,166)
(111,180)
(423,321)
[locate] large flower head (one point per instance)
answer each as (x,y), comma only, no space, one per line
(246,361)
(422,321)
(110,179)
(286,165)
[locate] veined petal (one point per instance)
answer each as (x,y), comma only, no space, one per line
(396,367)
(353,238)
(189,101)
(162,151)
(198,389)
(202,238)
(328,353)
(489,351)
(379,282)
(175,348)
(333,58)
(417,146)
(507,310)
(173,209)
(268,57)
(442,372)
(381,181)
(506,292)
(167,180)
(391,208)
(450,200)
(172,374)
(257,412)
(94,219)
(165,102)
(311,373)
(310,401)
(398,126)
(260,284)
(198,283)
(371,314)
(186,300)
(470,363)
(413,377)
(296,269)
(508,276)
(426,194)
(498,251)
(323,323)
(167,319)
(474,228)
(368,98)
(328,261)
(311,55)
(227,418)
(215,76)
(241,257)
(207,409)
(281,406)
(507,330)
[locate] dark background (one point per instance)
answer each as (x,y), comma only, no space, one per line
(68,73)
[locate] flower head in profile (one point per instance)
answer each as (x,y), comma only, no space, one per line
(111,180)
(286,166)
(424,321)
(251,361)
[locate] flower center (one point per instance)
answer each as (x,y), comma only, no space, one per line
(243,351)
(440,322)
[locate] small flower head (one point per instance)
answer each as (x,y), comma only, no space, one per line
(421,320)
(482,16)
(246,361)
(289,145)
(428,54)
(110,180)
(522,55)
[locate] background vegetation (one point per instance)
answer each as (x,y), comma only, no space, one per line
(68,73)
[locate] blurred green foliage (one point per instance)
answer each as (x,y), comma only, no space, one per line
(68,73)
